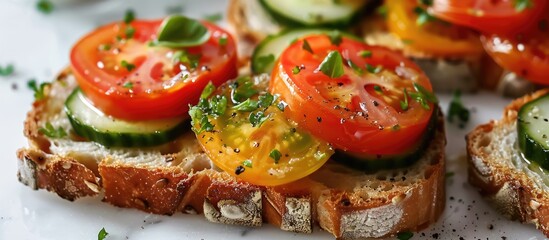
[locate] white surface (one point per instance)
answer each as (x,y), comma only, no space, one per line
(38,46)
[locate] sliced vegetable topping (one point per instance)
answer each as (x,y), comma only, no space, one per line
(533,131)
(340,97)
(489,16)
(155,70)
(422,32)
(526,53)
(243,130)
(313,12)
(90,123)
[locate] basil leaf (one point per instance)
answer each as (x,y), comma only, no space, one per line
(332,65)
(276,155)
(102,234)
(179,31)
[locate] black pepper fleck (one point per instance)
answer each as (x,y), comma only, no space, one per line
(319,119)
(239,170)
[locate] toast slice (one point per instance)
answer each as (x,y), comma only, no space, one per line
(178,177)
(497,169)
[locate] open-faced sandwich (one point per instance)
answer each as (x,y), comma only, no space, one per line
(508,157)
(340,134)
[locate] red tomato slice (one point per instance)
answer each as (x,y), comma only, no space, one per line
(359,112)
(489,16)
(434,38)
(129,79)
(526,54)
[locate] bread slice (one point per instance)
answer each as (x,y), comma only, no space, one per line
(178,177)
(497,169)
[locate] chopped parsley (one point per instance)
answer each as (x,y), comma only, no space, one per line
(128,66)
(44,6)
(39,93)
(128,85)
(404,235)
(365,53)
(258,118)
(223,40)
(266,100)
(52,132)
(276,155)
(423,16)
(182,56)
(213,18)
(247,106)
(355,67)
(521,5)
(457,109)
(335,37)
(449,174)
(8,70)
(372,69)
(130,31)
(296,70)
(404,104)
(247,163)
(332,65)
(378,89)
(242,89)
(208,90)
(307,47)
(129,16)
(423,96)
(102,234)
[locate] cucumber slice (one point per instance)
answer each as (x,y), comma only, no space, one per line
(376,163)
(313,12)
(90,123)
(267,51)
(533,131)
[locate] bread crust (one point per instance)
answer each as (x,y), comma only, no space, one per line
(510,190)
(167,186)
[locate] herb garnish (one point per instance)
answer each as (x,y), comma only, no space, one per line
(247,106)
(372,69)
(263,63)
(423,16)
(182,56)
(457,109)
(355,67)
(44,6)
(449,174)
(242,89)
(39,93)
(365,53)
(307,47)
(128,85)
(266,100)
(276,155)
(258,118)
(247,163)
(404,104)
(8,70)
(213,18)
(52,132)
(378,89)
(180,31)
(129,16)
(332,65)
(223,40)
(335,37)
(208,90)
(521,5)
(404,235)
(127,65)
(296,70)
(102,234)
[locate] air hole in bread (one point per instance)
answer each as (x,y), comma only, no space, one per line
(484,141)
